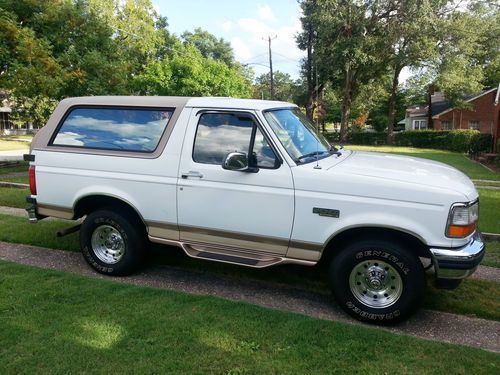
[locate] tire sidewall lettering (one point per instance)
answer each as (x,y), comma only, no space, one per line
(385,256)
(372,316)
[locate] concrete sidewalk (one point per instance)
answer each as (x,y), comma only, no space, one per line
(13,155)
(431,325)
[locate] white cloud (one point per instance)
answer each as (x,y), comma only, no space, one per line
(227,26)
(265,12)
(248,37)
(241,50)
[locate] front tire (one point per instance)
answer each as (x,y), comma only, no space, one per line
(377,281)
(111,243)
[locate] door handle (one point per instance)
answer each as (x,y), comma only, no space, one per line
(192,174)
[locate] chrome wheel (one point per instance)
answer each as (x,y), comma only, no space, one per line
(107,244)
(375,283)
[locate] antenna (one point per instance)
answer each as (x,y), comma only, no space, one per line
(317,166)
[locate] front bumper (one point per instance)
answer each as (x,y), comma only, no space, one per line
(459,263)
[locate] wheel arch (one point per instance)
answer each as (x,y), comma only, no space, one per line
(341,239)
(93,202)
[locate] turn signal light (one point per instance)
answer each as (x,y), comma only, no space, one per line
(461,230)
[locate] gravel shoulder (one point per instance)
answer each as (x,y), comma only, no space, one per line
(432,325)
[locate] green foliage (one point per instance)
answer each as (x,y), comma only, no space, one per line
(209,45)
(469,43)
(58,48)
(188,73)
(285,88)
(464,141)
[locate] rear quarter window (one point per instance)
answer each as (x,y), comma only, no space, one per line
(113,128)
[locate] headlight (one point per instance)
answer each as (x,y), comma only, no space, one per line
(462,220)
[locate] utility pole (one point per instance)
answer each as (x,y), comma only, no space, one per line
(269,39)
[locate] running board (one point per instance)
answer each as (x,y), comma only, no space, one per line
(231,255)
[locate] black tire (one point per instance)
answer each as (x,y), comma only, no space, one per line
(377,281)
(111,243)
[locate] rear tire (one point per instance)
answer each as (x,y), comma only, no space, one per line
(377,281)
(111,243)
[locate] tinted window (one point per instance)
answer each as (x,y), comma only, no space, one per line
(221,133)
(129,129)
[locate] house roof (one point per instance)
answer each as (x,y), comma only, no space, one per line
(443,107)
(5,109)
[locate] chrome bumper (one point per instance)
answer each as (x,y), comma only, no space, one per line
(461,262)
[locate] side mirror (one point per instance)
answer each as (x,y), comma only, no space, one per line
(237,161)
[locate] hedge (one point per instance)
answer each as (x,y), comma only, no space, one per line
(467,141)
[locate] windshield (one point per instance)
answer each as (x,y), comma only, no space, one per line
(297,134)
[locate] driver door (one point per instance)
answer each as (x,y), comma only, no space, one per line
(238,209)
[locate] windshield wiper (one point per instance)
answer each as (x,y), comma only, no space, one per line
(311,154)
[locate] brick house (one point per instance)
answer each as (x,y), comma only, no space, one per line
(484,114)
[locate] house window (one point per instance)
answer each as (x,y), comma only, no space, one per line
(474,125)
(445,125)
(419,124)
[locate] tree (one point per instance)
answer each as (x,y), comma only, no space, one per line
(468,50)
(306,41)
(346,47)
(408,31)
(285,87)
(188,73)
(209,45)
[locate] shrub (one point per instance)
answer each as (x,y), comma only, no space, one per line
(481,143)
(466,141)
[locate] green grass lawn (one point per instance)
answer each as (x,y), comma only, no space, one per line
(7,144)
(58,323)
(21,166)
(13,197)
(483,297)
(459,161)
(492,257)
(16,179)
(489,214)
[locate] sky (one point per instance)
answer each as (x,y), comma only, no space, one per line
(246,24)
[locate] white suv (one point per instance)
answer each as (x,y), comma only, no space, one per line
(250,182)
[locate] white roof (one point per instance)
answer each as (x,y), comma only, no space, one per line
(178,102)
(232,103)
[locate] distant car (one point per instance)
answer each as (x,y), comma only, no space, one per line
(250,182)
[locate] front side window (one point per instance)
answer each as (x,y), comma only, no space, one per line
(446,125)
(113,128)
(474,125)
(297,134)
(218,134)
(419,124)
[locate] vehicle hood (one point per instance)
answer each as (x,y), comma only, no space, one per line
(406,169)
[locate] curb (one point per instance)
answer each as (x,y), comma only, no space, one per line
(491,236)
(13,185)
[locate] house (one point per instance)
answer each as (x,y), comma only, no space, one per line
(5,123)
(483,114)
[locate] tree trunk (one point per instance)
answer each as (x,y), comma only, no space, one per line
(392,105)
(346,106)
(430,121)
(310,73)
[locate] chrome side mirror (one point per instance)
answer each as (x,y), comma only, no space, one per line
(235,161)
(238,161)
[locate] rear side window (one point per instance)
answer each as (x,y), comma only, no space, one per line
(128,129)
